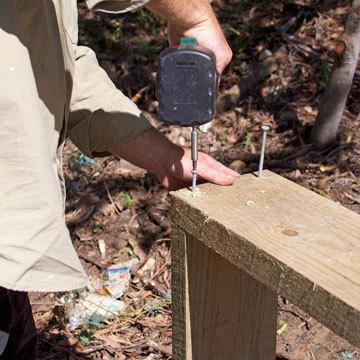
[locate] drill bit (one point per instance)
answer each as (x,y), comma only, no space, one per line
(194,158)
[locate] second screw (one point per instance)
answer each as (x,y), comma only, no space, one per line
(265,129)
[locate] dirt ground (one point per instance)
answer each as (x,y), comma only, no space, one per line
(116,211)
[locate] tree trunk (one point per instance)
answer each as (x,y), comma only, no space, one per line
(336,93)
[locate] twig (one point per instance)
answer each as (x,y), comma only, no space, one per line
(93,262)
(292,40)
(111,200)
(76,222)
(297,315)
(354,198)
(91,350)
(137,96)
(161,348)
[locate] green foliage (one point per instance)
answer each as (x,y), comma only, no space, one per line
(85,336)
(146,49)
(238,44)
(98,229)
(344,133)
(245,25)
(65,297)
(282,327)
(129,200)
(156,306)
(248,141)
(96,322)
(323,74)
(320,192)
(168,298)
(119,34)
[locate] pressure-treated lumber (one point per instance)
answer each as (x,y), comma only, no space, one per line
(219,312)
(299,244)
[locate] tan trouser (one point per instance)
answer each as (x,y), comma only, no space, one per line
(17,328)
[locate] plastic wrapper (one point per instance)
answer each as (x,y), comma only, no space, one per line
(117,277)
(92,309)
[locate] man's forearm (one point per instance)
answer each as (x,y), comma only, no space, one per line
(182,14)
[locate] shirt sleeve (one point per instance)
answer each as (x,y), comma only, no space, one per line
(115,6)
(101,117)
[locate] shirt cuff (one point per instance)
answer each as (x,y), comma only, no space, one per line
(103,131)
(115,6)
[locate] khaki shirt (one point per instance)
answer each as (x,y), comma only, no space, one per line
(50,88)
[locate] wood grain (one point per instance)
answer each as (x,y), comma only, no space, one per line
(219,311)
(298,243)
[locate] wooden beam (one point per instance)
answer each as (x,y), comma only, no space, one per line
(219,312)
(298,243)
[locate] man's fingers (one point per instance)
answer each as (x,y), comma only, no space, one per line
(217,165)
(211,174)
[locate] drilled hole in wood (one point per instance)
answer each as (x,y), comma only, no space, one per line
(290,232)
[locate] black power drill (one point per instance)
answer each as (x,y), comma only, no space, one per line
(187,88)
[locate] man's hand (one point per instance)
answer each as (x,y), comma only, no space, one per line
(196,19)
(177,174)
(172,164)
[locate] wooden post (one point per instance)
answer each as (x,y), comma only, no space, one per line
(234,248)
(219,312)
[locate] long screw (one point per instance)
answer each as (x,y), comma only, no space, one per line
(194,158)
(265,129)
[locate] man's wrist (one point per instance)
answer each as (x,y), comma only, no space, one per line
(182,15)
(150,150)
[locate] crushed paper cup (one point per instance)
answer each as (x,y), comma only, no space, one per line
(117,277)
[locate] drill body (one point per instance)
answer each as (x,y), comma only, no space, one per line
(187,88)
(187,85)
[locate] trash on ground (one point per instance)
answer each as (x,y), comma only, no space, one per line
(83,160)
(102,247)
(92,309)
(346,355)
(117,277)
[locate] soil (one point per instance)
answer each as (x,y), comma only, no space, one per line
(116,211)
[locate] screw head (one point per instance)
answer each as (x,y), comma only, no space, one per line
(265,127)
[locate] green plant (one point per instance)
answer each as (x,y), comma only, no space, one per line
(95,322)
(248,141)
(98,228)
(324,74)
(238,44)
(282,327)
(119,35)
(146,49)
(129,200)
(85,336)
